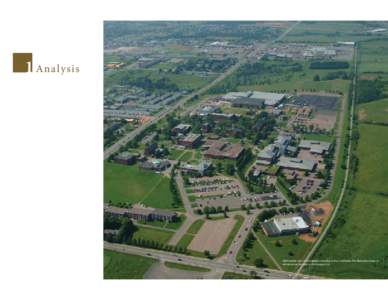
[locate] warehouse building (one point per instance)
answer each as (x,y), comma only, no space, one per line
(201,169)
(138,212)
(192,140)
(316,147)
(285,225)
(125,158)
(296,163)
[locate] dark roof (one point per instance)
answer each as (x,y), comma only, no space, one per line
(248,101)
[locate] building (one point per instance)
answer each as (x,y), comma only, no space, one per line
(191,140)
(201,169)
(268,155)
(181,128)
(285,225)
(222,149)
(208,109)
(248,102)
(125,158)
(296,163)
(150,149)
(220,117)
(316,147)
(155,165)
(142,213)
(282,142)
(270,99)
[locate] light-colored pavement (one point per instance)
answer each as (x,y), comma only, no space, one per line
(343,190)
(203,262)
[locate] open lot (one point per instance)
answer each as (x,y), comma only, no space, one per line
(374,56)
(125,266)
(212,235)
(129,184)
(153,234)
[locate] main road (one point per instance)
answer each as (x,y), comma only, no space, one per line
(348,157)
(241,60)
(203,262)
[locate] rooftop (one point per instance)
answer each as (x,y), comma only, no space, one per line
(296,163)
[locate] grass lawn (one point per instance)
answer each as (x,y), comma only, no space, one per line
(231,275)
(130,184)
(318,137)
(282,253)
(256,251)
(163,224)
(232,234)
(185,240)
(375,111)
(158,235)
(125,266)
(196,226)
(187,156)
(175,153)
(185,267)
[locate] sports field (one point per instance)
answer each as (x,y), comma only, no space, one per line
(125,266)
(129,184)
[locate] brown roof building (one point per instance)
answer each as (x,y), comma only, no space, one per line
(222,149)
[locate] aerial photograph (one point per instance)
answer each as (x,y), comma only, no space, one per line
(245,150)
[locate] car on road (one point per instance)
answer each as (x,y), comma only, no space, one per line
(266,271)
(149,254)
(230,252)
(179,259)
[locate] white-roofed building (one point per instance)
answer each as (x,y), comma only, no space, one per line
(317,147)
(284,225)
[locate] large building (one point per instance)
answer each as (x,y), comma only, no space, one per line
(316,147)
(256,98)
(142,213)
(285,225)
(248,102)
(296,163)
(222,149)
(201,169)
(181,128)
(191,140)
(125,158)
(268,155)
(155,165)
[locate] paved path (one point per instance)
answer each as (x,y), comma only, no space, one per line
(343,190)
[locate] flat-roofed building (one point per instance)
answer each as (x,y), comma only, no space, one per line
(296,163)
(200,169)
(270,99)
(316,147)
(268,155)
(181,128)
(248,102)
(191,140)
(139,212)
(285,225)
(222,149)
(125,158)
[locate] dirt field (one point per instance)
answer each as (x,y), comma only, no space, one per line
(322,218)
(362,114)
(212,235)
(323,120)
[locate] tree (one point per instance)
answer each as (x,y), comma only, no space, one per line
(207,253)
(126,231)
(230,169)
(278,243)
(316,77)
(259,263)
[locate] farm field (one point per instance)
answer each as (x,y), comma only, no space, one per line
(367,204)
(372,175)
(129,184)
(125,266)
(375,111)
(325,32)
(374,56)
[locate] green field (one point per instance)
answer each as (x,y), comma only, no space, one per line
(375,111)
(129,184)
(175,153)
(151,234)
(185,267)
(372,175)
(324,32)
(125,266)
(282,253)
(163,224)
(360,230)
(374,56)
(256,251)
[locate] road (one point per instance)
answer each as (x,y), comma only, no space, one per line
(241,60)
(343,190)
(203,262)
